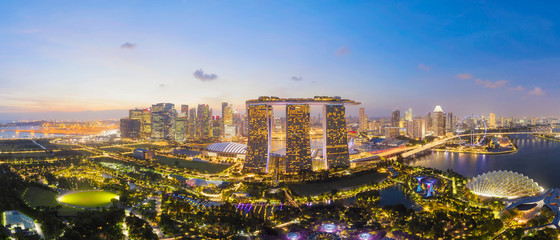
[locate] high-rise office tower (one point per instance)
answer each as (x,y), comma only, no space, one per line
(409,128)
(184,110)
(180,129)
(335,142)
(492,121)
(362,121)
(438,122)
(162,120)
(130,128)
(229,129)
(408,115)
(217,129)
(204,118)
(191,125)
(145,118)
(259,127)
(449,123)
(395,118)
(419,128)
(298,148)
(429,124)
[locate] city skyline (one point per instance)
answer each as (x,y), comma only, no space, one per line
(59,59)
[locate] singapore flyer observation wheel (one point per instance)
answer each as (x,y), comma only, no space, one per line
(472,130)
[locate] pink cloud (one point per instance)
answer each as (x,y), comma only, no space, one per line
(518,88)
(423,67)
(490,84)
(342,51)
(537,91)
(464,76)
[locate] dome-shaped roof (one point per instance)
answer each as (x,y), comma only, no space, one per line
(438,109)
(228,147)
(503,184)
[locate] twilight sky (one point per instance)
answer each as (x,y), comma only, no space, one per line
(468,57)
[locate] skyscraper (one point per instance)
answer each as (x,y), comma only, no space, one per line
(258,142)
(419,128)
(449,122)
(204,118)
(191,125)
(438,122)
(184,110)
(130,128)
(408,115)
(335,142)
(180,129)
(228,129)
(145,118)
(492,121)
(163,115)
(429,125)
(395,118)
(298,148)
(363,121)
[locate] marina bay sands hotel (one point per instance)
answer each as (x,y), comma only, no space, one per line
(298,154)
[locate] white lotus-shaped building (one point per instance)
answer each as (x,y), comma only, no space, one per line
(503,184)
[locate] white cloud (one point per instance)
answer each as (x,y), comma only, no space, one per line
(537,91)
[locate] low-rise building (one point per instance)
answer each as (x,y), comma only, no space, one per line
(143,154)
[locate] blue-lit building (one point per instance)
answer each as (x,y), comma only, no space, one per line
(143,154)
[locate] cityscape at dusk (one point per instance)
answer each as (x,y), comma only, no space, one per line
(291,120)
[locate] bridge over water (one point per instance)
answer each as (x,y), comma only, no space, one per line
(409,152)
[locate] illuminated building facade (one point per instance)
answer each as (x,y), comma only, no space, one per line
(259,138)
(395,118)
(130,128)
(298,148)
(449,123)
(162,120)
(180,129)
(438,122)
(492,120)
(363,122)
(335,143)
(203,123)
(145,118)
(191,125)
(408,115)
(335,140)
(184,110)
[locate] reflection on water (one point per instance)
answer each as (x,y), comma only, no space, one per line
(394,195)
(9,133)
(537,158)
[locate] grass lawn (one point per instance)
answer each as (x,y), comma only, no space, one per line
(202,167)
(89,199)
(25,155)
(305,189)
(18,145)
(145,146)
(83,152)
(66,146)
(116,149)
(39,197)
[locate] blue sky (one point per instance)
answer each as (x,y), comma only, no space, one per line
(469,57)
